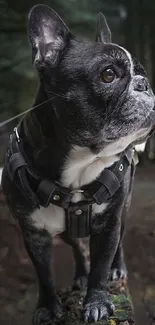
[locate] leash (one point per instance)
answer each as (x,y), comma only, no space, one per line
(23,113)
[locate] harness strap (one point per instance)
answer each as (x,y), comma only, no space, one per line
(48,192)
(78,219)
(109,186)
(16,161)
(109,181)
(17,166)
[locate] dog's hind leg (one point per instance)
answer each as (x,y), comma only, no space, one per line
(118,268)
(81,260)
(39,247)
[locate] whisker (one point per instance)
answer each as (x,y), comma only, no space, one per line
(51,92)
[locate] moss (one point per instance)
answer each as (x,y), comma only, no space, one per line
(123,313)
(112,322)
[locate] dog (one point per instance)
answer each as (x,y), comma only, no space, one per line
(69,164)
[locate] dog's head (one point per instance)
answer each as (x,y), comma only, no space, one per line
(105,100)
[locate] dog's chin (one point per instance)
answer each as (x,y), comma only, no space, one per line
(114,146)
(144,138)
(143,128)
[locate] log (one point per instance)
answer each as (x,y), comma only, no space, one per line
(72,300)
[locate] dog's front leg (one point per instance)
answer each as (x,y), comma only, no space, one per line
(39,247)
(103,247)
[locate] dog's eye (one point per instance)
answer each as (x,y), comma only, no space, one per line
(108,75)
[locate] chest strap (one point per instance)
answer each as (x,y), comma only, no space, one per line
(78,215)
(98,191)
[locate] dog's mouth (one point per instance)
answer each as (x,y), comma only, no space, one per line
(148,126)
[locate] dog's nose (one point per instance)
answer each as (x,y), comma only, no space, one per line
(141,84)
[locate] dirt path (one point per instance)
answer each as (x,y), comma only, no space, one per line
(139,246)
(17,273)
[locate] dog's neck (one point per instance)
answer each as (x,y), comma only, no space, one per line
(47,118)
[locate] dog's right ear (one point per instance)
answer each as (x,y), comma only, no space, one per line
(103,33)
(48,35)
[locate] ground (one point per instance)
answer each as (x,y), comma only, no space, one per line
(17,276)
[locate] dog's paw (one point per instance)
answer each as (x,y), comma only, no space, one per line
(43,315)
(80,283)
(97,308)
(118,273)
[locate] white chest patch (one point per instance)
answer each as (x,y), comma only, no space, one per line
(81,167)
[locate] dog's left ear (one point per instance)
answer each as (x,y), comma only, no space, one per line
(48,35)
(103,31)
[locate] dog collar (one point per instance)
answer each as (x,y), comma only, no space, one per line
(78,215)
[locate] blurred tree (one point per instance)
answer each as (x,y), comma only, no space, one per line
(16,73)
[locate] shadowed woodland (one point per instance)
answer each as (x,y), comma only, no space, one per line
(133,26)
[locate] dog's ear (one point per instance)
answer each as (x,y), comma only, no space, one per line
(48,35)
(103,31)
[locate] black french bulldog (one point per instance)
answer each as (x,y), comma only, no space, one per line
(93,105)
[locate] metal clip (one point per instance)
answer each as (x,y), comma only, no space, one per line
(121,167)
(76,191)
(17,135)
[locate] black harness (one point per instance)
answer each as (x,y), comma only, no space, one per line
(78,215)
